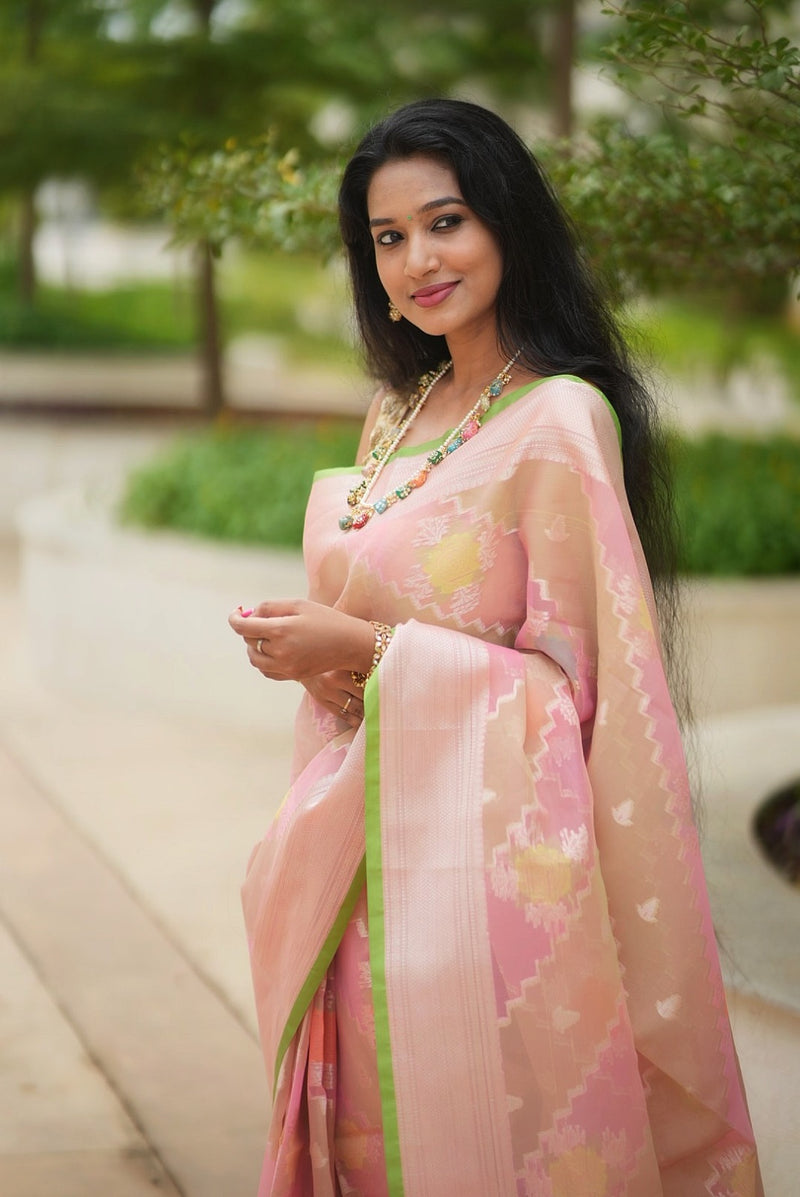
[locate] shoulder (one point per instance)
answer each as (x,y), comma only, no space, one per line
(566,419)
(373,415)
(386,411)
(577,407)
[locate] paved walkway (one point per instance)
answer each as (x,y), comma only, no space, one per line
(128,1058)
(256,380)
(757,399)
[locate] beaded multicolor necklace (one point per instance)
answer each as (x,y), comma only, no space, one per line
(362,511)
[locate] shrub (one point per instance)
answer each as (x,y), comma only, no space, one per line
(240,484)
(738,504)
(138,316)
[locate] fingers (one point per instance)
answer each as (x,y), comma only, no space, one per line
(350,708)
(275,609)
(251,621)
(259,657)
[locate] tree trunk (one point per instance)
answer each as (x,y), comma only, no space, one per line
(210,339)
(26,266)
(204,10)
(213,392)
(563,58)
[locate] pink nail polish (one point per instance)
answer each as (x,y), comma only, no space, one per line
(246,611)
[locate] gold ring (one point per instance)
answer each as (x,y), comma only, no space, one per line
(259,649)
(347,704)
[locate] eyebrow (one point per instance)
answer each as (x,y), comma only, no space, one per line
(444,202)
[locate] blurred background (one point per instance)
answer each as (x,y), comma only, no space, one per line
(177,358)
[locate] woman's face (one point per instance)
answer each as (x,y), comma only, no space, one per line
(438,262)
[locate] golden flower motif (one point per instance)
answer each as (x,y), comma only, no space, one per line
(580,1170)
(454,562)
(544,874)
(742,1179)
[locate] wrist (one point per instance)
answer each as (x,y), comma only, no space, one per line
(361,648)
(380,638)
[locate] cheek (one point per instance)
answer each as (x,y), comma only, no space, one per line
(384,270)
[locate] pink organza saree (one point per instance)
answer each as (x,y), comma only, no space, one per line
(481,945)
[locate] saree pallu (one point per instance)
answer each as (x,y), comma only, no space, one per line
(510,834)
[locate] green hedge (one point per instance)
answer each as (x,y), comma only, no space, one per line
(241,484)
(140,316)
(738,500)
(738,504)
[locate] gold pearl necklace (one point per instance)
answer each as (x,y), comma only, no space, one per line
(362,511)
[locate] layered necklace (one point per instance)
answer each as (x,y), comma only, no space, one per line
(362,511)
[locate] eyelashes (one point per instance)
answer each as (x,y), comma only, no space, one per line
(442,224)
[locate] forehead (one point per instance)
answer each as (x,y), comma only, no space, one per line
(406,184)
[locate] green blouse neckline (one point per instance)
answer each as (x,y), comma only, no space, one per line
(498,406)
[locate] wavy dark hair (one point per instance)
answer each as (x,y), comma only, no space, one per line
(549,304)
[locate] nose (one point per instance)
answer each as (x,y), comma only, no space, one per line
(421,256)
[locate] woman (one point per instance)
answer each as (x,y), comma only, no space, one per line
(481,945)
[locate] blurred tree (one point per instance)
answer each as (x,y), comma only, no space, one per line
(707,197)
(284,64)
(64,108)
(87,87)
(317,57)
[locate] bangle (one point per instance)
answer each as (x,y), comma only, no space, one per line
(383,636)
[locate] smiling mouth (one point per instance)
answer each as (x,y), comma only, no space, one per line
(428,297)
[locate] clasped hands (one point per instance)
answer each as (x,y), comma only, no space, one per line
(318,646)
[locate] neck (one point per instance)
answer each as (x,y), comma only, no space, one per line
(475,363)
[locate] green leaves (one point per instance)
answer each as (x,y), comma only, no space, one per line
(706,66)
(252,191)
(660,213)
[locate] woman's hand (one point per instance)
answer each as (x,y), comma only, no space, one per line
(296,639)
(338,693)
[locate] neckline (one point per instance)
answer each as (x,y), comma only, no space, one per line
(497,407)
(500,405)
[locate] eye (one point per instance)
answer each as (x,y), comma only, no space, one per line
(390,237)
(451,221)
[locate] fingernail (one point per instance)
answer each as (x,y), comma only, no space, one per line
(246,610)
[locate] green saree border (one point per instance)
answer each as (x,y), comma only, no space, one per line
(318,969)
(377,938)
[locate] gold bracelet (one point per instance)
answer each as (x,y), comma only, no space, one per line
(383,636)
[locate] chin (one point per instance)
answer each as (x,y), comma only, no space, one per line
(438,324)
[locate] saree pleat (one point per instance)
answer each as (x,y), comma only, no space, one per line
(549,1017)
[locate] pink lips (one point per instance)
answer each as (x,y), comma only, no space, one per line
(428,297)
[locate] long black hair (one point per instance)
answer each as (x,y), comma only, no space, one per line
(548,304)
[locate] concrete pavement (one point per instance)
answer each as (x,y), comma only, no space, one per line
(129,1062)
(256,378)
